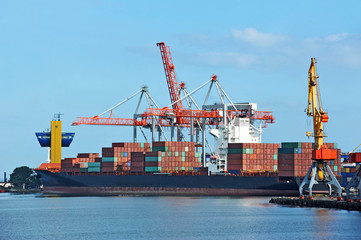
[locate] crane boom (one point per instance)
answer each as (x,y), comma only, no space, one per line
(187,113)
(171,78)
(315,110)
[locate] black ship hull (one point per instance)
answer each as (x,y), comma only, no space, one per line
(63,184)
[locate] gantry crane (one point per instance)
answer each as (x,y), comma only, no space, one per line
(319,173)
(175,115)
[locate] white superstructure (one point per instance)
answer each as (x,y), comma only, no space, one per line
(237,130)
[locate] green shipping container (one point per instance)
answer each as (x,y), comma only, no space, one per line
(235,151)
(275,157)
(183,154)
(274,167)
(109,159)
(183,168)
(183,159)
(335,168)
(153,159)
(159,149)
(94,169)
(142,145)
(94,164)
(176,154)
(83,169)
(291,145)
(153,169)
(169,154)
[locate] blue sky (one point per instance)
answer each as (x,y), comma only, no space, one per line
(82,57)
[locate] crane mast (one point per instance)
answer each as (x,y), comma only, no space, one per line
(319,173)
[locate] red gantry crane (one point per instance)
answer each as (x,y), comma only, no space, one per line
(177,115)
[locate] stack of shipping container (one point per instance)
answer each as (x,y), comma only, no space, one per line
(118,157)
(137,162)
(252,157)
(292,159)
(76,165)
(295,159)
(70,165)
(139,158)
(172,157)
(349,169)
(355,157)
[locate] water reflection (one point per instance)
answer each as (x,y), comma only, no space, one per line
(324,221)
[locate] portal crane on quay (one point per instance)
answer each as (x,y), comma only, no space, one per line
(319,172)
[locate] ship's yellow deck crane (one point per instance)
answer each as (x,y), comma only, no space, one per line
(319,173)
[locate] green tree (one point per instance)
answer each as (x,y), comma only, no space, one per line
(24,178)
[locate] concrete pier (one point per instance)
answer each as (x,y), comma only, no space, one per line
(318,203)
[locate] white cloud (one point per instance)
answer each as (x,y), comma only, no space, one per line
(254,37)
(267,51)
(337,37)
(339,49)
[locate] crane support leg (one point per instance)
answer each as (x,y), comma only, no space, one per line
(153,129)
(204,141)
(317,170)
(191,130)
(356,183)
(172,130)
(308,180)
(334,181)
(159,134)
(135,134)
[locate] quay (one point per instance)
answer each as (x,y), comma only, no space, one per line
(318,203)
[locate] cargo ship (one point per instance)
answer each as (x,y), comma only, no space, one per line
(176,168)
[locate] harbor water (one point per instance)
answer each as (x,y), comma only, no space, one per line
(36,217)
